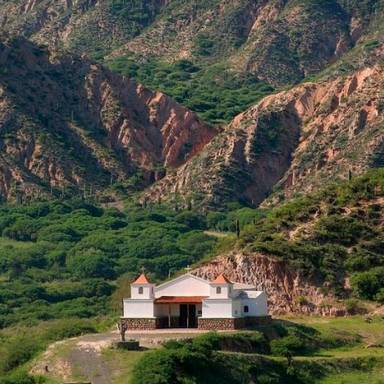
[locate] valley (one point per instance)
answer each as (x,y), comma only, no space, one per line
(233,138)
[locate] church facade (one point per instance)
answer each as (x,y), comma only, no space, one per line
(189,301)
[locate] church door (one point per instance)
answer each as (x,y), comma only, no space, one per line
(192,321)
(188,316)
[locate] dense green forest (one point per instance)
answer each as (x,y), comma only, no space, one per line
(62,259)
(215,92)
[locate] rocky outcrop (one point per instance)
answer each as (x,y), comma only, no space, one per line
(288,292)
(280,42)
(69,123)
(294,141)
(86,26)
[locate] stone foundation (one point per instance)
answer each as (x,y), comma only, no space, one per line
(141,324)
(219,324)
(234,323)
(216,324)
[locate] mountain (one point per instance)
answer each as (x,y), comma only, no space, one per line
(69,124)
(280,41)
(89,26)
(74,124)
(291,142)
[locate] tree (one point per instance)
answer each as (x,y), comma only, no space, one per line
(92,263)
(191,219)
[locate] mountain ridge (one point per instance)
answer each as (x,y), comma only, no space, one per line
(89,116)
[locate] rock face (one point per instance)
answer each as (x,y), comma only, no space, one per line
(66,122)
(291,142)
(89,26)
(287,291)
(280,41)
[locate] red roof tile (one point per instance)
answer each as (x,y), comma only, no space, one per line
(221,279)
(142,279)
(180,299)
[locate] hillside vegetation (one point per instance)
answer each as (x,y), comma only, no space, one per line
(286,352)
(62,259)
(330,235)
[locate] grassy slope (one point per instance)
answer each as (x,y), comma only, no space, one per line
(347,363)
(369,332)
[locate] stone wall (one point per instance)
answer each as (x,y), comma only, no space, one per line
(205,324)
(235,323)
(141,324)
(216,324)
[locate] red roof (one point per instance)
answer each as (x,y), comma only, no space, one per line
(221,279)
(142,279)
(180,299)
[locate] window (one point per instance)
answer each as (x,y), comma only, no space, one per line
(218,290)
(141,290)
(246,309)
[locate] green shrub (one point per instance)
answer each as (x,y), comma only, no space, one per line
(292,345)
(368,284)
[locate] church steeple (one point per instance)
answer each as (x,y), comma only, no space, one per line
(141,288)
(221,287)
(142,279)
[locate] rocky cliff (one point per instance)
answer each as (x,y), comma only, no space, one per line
(290,142)
(82,26)
(69,123)
(279,41)
(288,292)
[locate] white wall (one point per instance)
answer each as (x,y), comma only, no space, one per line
(214,309)
(257,306)
(186,285)
(147,291)
(137,309)
(237,308)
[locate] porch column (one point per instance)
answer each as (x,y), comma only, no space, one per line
(169,315)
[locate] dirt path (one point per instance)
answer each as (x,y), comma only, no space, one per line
(84,358)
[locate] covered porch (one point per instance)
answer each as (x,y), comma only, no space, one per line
(178,311)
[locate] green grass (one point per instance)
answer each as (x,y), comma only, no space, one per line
(327,326)
(122,362)
(373,377)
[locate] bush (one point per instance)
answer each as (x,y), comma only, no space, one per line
(191,219)
(18,351)
(288,345)
(92,263)
(368,284)
(21,377)
(354,307)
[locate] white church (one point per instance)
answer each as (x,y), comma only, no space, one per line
(189,301)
